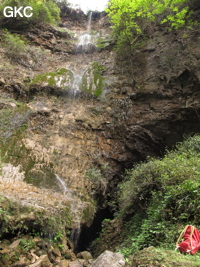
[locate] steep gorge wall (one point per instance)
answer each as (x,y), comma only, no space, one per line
(151,99)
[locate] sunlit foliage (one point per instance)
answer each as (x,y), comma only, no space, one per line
(131,17)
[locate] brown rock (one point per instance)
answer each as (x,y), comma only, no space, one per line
(64,263)
(109,259)
(43,261)
(86,255)
(56,252)
(76,263)
(23,261)
(15,244)
(2,81)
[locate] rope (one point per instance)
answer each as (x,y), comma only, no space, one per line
(182,234)
(191,234)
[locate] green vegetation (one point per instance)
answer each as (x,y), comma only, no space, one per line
(18,50)
(44,223)
(43,11)
(99,182)
(161,196)
(131,18)
(27,244)
(93,80)
(157,199)
(32,227)
(62,78)
(159,257)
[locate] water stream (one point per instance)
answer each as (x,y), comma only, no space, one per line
(87,40)
(75,89)
(86,45)
(89,21)
(62,183)
(75,236)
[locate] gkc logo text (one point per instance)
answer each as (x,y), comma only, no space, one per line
(13,12)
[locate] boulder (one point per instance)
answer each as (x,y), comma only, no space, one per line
(86,255)
(2,81)
(76,263)
(43,261)
(56,252)
(62,78)
(15,244)
(64,263)
(109,259)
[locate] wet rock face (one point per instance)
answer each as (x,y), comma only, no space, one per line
(72,14)
(150,100)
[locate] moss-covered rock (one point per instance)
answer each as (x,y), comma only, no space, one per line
(63,78)
(92,80)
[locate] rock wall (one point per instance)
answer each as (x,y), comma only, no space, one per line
(149,101)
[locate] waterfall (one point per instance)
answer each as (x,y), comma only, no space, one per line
(74,91)
(74,237)
(89,21)
(87,40)
(60,180)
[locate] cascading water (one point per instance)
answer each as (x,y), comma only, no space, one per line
(86,44)
(74,91)
(62,183)
(87,40)
(83,57)
(89,21)
(74,237)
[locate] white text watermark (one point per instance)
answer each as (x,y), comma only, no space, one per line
(13,12)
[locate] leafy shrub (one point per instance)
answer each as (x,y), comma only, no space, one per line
(159,197)
(131,18)
(18,50)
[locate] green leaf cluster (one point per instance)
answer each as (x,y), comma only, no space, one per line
(159,197)
(132,17)
(15,47)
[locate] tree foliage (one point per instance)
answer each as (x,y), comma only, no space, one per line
(133,16)
(43,11)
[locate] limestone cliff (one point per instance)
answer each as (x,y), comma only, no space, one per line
(131,105)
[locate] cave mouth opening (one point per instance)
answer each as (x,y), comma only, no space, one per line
(89,234)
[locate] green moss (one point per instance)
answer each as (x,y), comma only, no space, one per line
(12,120)
(92,80)
(13,125)
(45,223)
(62,78)
(159,257)
(103,43)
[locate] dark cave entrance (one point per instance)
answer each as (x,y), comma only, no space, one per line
(89,234)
